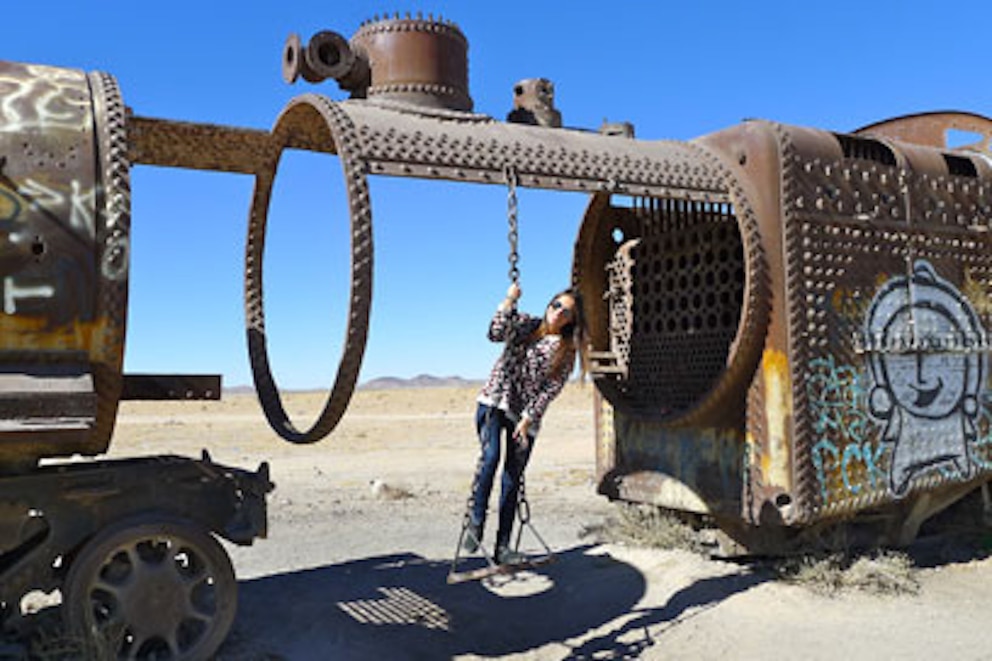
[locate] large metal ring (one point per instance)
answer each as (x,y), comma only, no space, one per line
(113,236)
(316,117)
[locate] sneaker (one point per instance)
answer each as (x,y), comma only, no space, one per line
(507,556)
(472,539)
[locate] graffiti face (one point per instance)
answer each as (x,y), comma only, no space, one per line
(927,384)
(926,347)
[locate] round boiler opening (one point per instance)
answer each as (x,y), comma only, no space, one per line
(673,291)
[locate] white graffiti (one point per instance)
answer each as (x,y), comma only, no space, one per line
(927,369)
(12,293)
(80,202)
(45,97)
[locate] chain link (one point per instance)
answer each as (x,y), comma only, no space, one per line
(510,173)
(523,507)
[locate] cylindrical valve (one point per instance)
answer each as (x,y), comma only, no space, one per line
(410,60)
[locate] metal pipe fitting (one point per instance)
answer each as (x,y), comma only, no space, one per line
(326,55)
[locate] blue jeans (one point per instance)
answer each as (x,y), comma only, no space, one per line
(492,423)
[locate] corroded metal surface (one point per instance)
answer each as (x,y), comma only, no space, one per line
(404,140)
(48,514)
(534,103)
(401,140)
(113,240)
(676,295)
(889,281)
(416,60)
(196,146)
(326,123)
(419,61)
(866,383)
(932,129)
(65,210)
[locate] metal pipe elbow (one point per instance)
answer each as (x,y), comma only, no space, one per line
(326,55)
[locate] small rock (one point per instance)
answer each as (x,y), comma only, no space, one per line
(384,491)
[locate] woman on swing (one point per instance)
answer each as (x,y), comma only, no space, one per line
(539,357)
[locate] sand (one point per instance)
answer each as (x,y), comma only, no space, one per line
(364,524)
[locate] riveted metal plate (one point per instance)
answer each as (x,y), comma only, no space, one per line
(889,288)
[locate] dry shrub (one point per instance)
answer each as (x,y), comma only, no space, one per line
(882,572)
(645,526)
(879,573)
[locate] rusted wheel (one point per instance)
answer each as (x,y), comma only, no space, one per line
(326,122)
(151,590)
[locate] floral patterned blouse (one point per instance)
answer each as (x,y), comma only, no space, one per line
(521,382)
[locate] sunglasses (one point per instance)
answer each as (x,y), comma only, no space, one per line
(558,305)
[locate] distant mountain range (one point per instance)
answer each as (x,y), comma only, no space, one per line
(420,381)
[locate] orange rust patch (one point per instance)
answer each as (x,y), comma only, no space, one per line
(776,460)
(23,333)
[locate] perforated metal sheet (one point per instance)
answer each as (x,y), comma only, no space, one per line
(675,292)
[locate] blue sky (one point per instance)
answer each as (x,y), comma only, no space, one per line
(675,70)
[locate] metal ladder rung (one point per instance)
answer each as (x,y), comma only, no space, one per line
(604,363)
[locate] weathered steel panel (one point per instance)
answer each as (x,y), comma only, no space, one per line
(865,383)
(889,258)
(64,212)
(48,207)
(171,386)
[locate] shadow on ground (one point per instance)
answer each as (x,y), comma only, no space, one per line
(400,607)
(630,638)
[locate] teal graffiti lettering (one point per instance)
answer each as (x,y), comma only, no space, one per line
(851,451)
(871,455)
(823,447)
(836,398)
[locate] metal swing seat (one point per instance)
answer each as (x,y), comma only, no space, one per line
(492,568)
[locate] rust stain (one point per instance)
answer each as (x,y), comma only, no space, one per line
(775,462)
(33,333)
(607,437)
(847,302)
(976,294)
(9,206)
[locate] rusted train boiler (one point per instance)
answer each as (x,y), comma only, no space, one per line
(130,544)
(792,340)
(788,324)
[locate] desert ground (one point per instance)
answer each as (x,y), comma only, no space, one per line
(353,572)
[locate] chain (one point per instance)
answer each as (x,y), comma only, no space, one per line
(523,507)
(510,173)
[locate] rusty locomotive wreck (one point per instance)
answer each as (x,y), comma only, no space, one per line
(788,325)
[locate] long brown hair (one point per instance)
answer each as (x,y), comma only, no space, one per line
(573,337)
